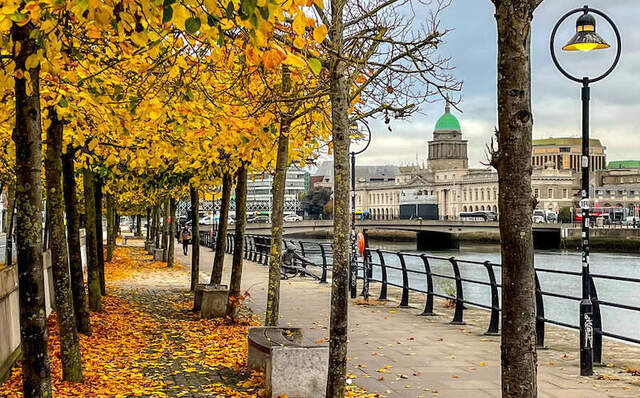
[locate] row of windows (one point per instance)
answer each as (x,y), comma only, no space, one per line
(382,199)
(550,193)
(478,194)
(597,161)
(493,208)
(619,192)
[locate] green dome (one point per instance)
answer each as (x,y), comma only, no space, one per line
(447,121)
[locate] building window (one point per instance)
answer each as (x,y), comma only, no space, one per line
(476,192)
(536,193)
(565,193)
(550,193)
(464,194)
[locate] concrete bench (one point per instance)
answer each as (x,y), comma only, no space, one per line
(211,300)
(294,365)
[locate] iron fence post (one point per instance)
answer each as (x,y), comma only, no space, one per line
(494,322)
(458,314)
(428,306)
(539,314)
(404,302)
(323,278)
(383,272)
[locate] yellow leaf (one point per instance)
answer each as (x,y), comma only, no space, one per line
(32,61)
(299,24)
(319,33)
(299,42)
(294,60)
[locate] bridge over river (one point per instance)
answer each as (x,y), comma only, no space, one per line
(429,233)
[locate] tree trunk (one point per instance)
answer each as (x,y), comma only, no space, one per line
(93,272)
(277,215)
(157,226)
(339,94)
(519,360)
(27,135)
(69,342)
(195,234)
(148,224)
(218,259)
(11,205)
(234,302)
(165,225)
(111,237)
(99,234)
(45,237)
(81,309)
(172,232)
(138,225)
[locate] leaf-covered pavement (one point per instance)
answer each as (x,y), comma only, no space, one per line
(147,343)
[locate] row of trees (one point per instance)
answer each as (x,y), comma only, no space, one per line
(155,101)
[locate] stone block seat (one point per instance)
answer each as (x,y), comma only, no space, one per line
(294,365)
(211,300)
(158,254)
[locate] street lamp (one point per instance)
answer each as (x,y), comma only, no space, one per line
(353,263)
(585,39)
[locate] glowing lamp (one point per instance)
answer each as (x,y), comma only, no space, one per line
(586,38)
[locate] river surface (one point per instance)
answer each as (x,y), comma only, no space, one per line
(614,320)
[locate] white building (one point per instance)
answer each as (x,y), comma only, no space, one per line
(259,194)
(457,187)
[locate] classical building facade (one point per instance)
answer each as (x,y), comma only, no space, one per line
(565,154)
(456,187)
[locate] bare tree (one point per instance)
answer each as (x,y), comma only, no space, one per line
(513,161)
(379,63)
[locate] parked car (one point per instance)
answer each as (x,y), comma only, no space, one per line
(259,219)
(539,216)
(552,217)
(631,220)
(292,218)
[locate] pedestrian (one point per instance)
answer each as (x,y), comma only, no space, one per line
(185,237)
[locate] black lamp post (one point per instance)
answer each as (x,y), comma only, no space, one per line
(585,39)
(353,263)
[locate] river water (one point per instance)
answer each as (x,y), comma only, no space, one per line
(614,320)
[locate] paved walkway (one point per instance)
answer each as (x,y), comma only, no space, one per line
(398,354)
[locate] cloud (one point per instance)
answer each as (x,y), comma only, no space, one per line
(472,44)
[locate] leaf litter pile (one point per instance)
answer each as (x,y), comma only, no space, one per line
(137,350)
(148,343)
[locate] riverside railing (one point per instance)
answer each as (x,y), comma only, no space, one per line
(466,283)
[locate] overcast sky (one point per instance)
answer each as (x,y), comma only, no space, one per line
(615,106)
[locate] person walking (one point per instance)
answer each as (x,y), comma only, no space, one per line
(185,237)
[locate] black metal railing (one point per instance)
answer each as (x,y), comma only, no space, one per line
(418,273)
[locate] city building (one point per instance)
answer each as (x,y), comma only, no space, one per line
(260,196)
(458,188)
(323,177)
(565,154)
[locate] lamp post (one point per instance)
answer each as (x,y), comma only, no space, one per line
(353,263)
(585,39)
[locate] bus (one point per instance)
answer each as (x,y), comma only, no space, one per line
(363,215)
(479,216)
(608,214)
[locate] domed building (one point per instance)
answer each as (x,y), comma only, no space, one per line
(448,181)
(447,150)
